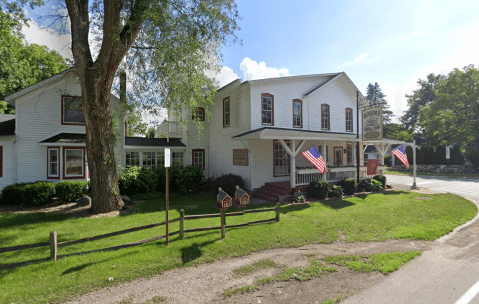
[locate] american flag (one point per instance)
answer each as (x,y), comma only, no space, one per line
(315,158)
(400,153)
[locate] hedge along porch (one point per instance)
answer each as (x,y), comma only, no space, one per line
(283,149)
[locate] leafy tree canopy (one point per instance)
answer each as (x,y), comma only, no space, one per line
(398,132)
(22,64)
(376,98)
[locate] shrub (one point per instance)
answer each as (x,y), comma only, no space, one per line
(382,179)
(191,180)
(28,194)
(376,185)
(365,186)
(318,189)
(350,185)
(387,160)
(228,183)
(69,191)
(336,191)
(147,196)
(137,180)
(297,197)
(174,178)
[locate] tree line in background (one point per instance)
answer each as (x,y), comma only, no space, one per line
(444,109)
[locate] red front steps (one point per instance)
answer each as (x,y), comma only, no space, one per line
(271,191)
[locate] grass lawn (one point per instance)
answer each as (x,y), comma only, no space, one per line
(458,175)
(382,216)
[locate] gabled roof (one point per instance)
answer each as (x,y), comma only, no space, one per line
(291,77)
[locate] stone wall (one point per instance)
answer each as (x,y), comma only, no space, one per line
(437,168)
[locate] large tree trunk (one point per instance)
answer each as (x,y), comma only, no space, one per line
(100,141)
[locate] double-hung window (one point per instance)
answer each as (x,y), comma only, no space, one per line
(325,117)
(199,114)
(226,112)
(74,160)
(350,155)
(349,120)
(53,163)
(281,159)
(72,111)
(297,113)
(267,109)
(198,158)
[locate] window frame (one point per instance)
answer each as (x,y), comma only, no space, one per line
(225,125)
(272,109)
(352,119)
(57,148)
(300,113)
(65,176)
(63,112)
(341,149)
(288,161)
(193,157)
(202,110)
(325,105)
(137,152)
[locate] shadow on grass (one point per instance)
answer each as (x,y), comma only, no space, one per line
(292,208)
(387,193)
(193,251)
(85,265)
(336,204)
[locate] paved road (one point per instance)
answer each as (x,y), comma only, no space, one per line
(448,273)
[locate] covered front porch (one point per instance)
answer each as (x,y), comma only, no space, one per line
(342,153)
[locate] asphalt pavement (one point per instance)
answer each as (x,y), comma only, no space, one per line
(449,272)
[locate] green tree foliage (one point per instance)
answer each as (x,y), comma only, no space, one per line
(135,126)
(377,98)
(151,133)
(422,96)
(398,132)
(21,64)
(453,116)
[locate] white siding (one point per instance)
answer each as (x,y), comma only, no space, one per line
(39,117)
(220,143)
(8,176)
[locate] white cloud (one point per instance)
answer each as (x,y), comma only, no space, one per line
(356,60)
(225,76)
(253,70)
(53,40)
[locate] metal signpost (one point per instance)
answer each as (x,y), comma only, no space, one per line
(167,166)
(448,156)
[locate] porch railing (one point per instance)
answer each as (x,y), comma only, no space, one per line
(172,128)
(305,176)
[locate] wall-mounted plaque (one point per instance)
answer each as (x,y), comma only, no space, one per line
(372,124)
(240,157)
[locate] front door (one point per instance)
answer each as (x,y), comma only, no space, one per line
(338,156)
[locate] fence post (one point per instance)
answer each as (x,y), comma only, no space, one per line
(222,223)
(53,245)
(182,221)
(277,211)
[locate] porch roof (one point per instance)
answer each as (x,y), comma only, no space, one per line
(283,133)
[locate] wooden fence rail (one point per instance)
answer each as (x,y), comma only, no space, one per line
(54,245)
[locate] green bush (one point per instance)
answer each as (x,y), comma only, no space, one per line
(28,194)
(336,191)
(297,197)
(174,178)
(318,189)
(382,179)
(228,183)
(376,185)
(137,180)
(387,160)
(350,185)
(365,186)
(147,196)
(191,180)
(69,191)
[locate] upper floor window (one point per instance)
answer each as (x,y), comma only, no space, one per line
(297,113)
(72,111)
(325,117)
(349,120)
(199,114)
(226,112)
(267,109)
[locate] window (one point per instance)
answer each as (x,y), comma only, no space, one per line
(160,159)
(325,117)
(53,156)
(74,162)
(366,159)
(199,114)
(338,156)
(149,160)
(267,109)
(72,111)
(281,159)
(226,112)
(132,159)
(297,113)
(198,156)
(349,120)
(350,155)
(177,159)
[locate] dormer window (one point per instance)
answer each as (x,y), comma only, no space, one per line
(267,109)
(199,114)
(226,112)
(324,117)
(349,120)
(297,113)
(72,111)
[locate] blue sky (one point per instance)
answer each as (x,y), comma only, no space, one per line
(390,42)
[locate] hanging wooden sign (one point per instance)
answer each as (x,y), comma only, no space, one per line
(372,121)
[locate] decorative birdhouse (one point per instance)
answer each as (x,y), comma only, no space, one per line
(241,198)
(223,199)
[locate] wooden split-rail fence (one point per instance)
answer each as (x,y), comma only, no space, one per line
(54,244)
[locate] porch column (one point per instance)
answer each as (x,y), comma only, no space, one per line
(393,160)
(325,157)
(292,163)
(355,161)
